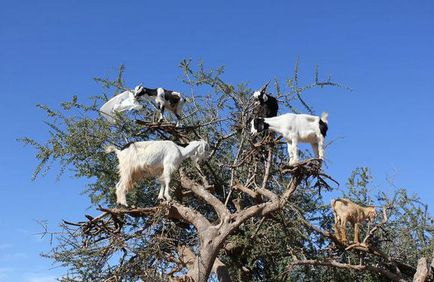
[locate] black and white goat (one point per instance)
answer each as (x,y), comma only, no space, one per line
(266,105)
(296,128)
(152,158)
(165,99)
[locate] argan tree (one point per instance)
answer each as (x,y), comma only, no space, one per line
(241,215)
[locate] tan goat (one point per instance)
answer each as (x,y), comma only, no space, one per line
(345,211)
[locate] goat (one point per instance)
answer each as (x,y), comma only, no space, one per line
(152,158)
(164,98)
(266,105)
(296,128)
(345,211)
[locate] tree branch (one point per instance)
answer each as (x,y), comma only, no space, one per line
(171,209)
(219,207)
(332,263)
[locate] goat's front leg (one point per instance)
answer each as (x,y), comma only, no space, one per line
(289,151)
(292,151)
(320,148)
(357,233)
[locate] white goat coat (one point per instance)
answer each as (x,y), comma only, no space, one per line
(152,158)
(302,127)
(298,128)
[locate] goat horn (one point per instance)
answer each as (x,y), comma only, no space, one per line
(263,88)
(138,87)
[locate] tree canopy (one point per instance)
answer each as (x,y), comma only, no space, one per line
(243,215)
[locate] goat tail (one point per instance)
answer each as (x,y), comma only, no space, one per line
(333,202)
(324,117)
(111,149)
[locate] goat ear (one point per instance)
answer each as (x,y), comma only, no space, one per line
(138,88)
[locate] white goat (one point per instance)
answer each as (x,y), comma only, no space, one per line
(152,158)
(345,211)
(296,128)
(164,98)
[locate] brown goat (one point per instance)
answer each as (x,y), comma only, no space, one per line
(345,211)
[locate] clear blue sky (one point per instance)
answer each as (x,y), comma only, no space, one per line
(51,50)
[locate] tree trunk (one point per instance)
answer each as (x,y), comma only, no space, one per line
(198,271)
(422,271)
(202,266)
(204,262)
(431,271)
(221,270)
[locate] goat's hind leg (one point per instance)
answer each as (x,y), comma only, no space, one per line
(357,233)
(337,229)
(166,179)
(164,189)
(343,227)
(121,197)
(161,193)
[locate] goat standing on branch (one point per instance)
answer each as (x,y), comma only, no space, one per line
(296,128)
(345,211)
(164,98)
(152,158)
(266,105)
